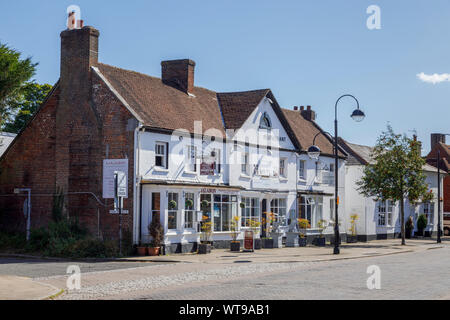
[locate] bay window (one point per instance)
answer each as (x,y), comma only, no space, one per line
(278,207)
(189,211)
(172,212)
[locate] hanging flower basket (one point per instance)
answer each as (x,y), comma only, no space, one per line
(205,203)
(242,204)
(189,203)
(172,204)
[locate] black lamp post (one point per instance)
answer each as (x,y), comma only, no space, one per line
(357,115)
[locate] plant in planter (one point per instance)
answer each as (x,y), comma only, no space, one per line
(303,224)
(321,225)
(157,232)
(255,226)
(353,237)
(205,237)
(235,245)
(409,227)
(421,224)
(141,250)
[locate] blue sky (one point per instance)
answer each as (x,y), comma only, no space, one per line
(307,52)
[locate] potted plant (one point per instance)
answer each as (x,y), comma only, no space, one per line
(321,225)
(205,237)
(255,226)
(353,237)
(421,224)
(141,250)
(267,242)
(409,227)
(303,225)
(157,232)
(235,245)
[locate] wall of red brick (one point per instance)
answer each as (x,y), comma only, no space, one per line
(76,144)
(30,163)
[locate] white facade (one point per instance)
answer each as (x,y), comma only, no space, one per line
(247,170)
(378,220)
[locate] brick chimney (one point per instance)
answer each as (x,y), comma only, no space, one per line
(179,74)
(79,51)
(436,138)
(308,114)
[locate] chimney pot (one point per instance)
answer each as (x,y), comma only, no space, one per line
(295,108)
(308,114)
(302,108)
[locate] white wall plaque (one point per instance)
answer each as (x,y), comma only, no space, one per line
(109,167)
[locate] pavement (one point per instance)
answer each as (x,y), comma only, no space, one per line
(136,275)
(22,288)
(303,254)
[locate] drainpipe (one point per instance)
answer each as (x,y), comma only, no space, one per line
(136,184)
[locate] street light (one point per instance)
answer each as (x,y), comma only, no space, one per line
(314,151)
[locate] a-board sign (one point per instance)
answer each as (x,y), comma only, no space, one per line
(248,241)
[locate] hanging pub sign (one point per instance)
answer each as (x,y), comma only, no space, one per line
(207,169)
(248,241)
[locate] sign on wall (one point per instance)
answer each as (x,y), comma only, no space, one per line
(109,167)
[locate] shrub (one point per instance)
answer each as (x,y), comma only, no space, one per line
(422,222)
(10,241)
(156,231)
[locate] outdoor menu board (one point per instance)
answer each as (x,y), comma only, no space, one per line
(248,241)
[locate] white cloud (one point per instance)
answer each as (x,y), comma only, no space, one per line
(434,78)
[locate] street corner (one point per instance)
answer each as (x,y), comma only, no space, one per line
(22,288)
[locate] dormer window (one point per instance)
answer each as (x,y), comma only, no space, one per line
(265,122)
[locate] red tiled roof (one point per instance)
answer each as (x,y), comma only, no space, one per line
(306,130)
(237,106)
(162,106)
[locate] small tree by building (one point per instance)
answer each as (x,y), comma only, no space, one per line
(396,172)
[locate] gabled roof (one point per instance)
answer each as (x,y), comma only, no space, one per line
(238,106)
(161,106)
(361,155)
(5,140)
(358,154)
(445,156)
(306,130)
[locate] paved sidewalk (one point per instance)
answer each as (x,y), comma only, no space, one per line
(21,288)
(193,269)
(303,254)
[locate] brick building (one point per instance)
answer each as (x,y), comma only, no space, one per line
(438,143)
(98,113)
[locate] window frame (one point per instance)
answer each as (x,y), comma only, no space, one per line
(172,211)
(302,169)
(164,157)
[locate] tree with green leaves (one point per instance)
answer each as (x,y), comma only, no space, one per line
(23,106)
(14,73)
(396,172)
